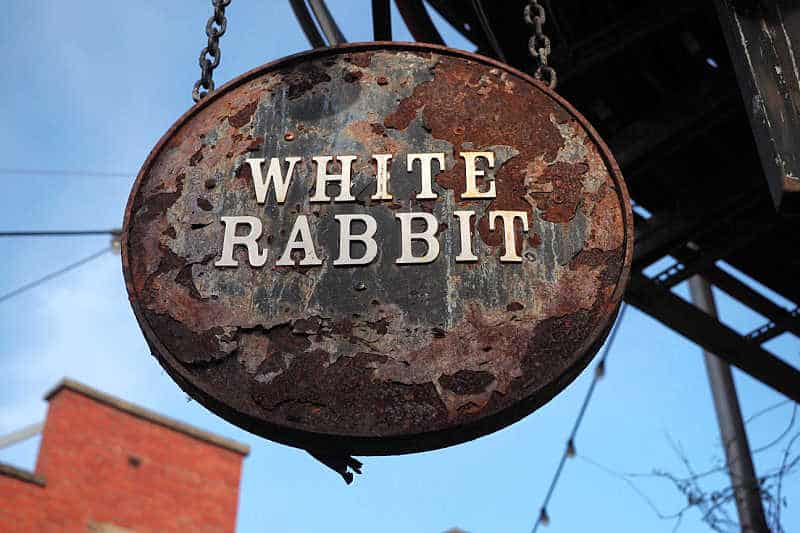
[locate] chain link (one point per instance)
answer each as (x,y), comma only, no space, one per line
(539,43)
(210,55)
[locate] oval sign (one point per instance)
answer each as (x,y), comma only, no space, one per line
(377,248)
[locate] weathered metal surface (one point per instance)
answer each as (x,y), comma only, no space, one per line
(764,44)
(383,358)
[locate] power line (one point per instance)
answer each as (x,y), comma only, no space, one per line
(569,449)
(55,274)
(58,172)
(61,233)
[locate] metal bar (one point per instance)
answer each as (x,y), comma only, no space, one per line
(692,261)
(665,233)
(381,20)
(461,18)
(762,41)
(487,30)
(635,26)
(780,316)
(770,330)
(20,435)
(670,130)
(303,16)
(661,234)
(419,21)
(739,460)
(764,333)
(326,22)
(671,310)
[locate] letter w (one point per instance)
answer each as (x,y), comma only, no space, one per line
(273,176)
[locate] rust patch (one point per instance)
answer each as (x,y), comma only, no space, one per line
(343,397)
(466,382)
(362,60)
(243,116)
(514,306)
(304,79)
(204,204)
(352,76)
(384,358)
(196,158)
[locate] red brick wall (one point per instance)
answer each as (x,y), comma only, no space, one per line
(180,484)
(21,506)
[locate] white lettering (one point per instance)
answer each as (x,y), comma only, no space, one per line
(472,173)
(273,176)
(320,194)
(407,236)
(466,236)
(346,237)
(510,254)
(426,175)
(254,256)
(382,177)
(306,244)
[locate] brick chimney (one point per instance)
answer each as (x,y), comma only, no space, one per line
(108,466)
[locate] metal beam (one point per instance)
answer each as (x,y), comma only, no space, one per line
(770,330)
(678,125)
(381,20)
(660,235)
(462,18)
(763,42)
(326,22)
(486,25)
(781,317)
(632,26)
(419,21)
(303,16)
(692,260)
(739,460)
(667,233)
(684,318)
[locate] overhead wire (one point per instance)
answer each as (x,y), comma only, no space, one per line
(61,233)
(59,272)
(569,449)
(60,172)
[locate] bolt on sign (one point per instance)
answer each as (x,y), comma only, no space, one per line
(377,248)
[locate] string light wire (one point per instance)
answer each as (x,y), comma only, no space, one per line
(55,274)
(569,449)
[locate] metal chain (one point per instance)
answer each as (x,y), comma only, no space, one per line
(211,55)
(539,44)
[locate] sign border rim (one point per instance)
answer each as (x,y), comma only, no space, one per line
(389,444)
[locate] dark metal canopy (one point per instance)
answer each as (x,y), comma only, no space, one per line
(706,132)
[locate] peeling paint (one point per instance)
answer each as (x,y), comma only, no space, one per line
(383,358)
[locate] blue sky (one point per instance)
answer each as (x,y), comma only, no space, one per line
(93,85)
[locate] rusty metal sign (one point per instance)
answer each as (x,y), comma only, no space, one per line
(377,248)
